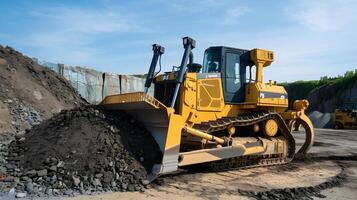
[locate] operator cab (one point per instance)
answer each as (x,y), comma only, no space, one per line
(231,64)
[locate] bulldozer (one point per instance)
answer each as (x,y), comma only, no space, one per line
(345,117)
(219,114)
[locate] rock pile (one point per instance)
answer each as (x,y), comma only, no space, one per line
(321,120)
(84,150)
(29,93)
(24,117)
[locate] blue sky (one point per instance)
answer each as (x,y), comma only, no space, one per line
(310,38)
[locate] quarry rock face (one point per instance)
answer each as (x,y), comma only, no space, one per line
(327,98)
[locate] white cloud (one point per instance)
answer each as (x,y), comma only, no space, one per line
(88,21)
(324,15)
(91,21)
(192,6)
(53,39)
(68,34)
(233,15)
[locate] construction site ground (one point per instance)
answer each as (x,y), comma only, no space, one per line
(333,156)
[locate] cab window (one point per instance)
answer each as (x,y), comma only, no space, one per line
(212,61)
(233,82)
(250,73)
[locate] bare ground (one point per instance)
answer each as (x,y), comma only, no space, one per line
(333,155)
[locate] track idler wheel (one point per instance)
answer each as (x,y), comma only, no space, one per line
(270,127)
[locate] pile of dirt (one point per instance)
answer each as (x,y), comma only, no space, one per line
(83,150)
(321,120)
(29,92)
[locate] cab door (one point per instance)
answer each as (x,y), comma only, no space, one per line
(233,77)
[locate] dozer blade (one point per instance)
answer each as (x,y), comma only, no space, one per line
(158,119)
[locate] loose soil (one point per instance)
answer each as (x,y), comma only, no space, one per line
(31,89)
(86,150)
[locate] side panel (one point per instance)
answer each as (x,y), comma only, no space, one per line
(209,94)
(266,95)
(189,109)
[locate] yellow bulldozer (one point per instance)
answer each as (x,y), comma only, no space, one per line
(216,113)
(345,117)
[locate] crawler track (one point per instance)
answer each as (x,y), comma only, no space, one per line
(252,160)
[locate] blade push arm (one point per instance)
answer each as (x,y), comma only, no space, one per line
(158,51)
(188,44)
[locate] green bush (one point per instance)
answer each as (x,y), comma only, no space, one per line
(302,89)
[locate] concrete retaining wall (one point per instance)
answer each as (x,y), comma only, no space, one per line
(95,85)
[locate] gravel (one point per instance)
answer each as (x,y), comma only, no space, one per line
(321,120)
(24,117)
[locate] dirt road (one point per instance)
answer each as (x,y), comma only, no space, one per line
(331,170)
